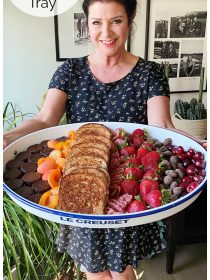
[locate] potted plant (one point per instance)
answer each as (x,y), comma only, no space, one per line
(191,117)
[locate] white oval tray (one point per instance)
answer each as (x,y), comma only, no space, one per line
(102,221)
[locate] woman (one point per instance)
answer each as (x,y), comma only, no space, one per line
(108,85)
(188,66)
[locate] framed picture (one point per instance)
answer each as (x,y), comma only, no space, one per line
(176,35)
(72,36)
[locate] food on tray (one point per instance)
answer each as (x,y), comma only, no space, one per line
(98,171)
(85,185)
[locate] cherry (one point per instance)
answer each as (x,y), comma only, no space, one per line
(170,147)
(186,180)
(179,150)
(191,169)
(190,153)
(198,178)
(191,186)
(198,155)
(202,172)
(182,157)
(174,150)
(200,164)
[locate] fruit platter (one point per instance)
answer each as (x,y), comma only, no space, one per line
(105,174)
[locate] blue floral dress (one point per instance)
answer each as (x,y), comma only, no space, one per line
(124,100)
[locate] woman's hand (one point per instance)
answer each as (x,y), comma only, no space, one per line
(50,115)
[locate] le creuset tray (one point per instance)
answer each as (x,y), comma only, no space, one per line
(102,221)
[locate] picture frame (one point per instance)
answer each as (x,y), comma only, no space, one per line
(72,36)
(176,35)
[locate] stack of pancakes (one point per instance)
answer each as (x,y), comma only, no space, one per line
(85,184)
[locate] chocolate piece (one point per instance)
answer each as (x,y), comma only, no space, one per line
(14,184)
(25,191)
(44,143)
(34,157)
(46,151)
(35,197)
(22,155)
(31,177)
(28,167)
(34,148)
(41,186)
(12,173)
(62,138)
(14,163)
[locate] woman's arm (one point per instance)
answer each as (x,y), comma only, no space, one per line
(49,115)
(158,114)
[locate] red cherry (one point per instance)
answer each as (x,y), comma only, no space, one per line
(200,164)
(191,169)
(191,186)
(198,178)
(186,180)
(180,150)
(198,155)
(190,153)
(170,147)
(174,150)
(182,157)
(202,172)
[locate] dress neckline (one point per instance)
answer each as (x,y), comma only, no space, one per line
(109,83)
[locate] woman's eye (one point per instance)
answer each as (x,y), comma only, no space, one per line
(117,21)
(96,22)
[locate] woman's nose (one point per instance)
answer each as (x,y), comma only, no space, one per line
(106,29)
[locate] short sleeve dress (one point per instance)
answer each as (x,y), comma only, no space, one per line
(124,100)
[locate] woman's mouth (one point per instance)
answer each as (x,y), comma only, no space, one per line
(108,42)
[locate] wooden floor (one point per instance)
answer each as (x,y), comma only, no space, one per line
(190,264)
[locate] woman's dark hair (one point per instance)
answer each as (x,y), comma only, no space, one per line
(130,7)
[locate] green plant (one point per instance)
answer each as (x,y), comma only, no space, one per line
(13,116)
(195,109)
(29,245)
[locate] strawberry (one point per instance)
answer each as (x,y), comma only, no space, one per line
(138,133)
(130,187)
(119,133)
(141,152)
(154,198)
(134,173)
(136,206)
(120,143)
(127,151)
(148,145)
(136,142)
(150,175)
(146,186)
(152,156)
(133,162)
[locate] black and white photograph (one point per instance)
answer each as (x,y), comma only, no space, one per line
(190,25)
(81,34)
(191,58)
(71,34)
(166,49)
(185,45)
(161,28)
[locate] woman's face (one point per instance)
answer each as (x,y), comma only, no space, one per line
(108,27)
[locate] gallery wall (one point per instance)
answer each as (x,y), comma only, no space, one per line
(30,56)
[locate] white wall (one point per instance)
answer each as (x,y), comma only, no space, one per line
(30,60)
